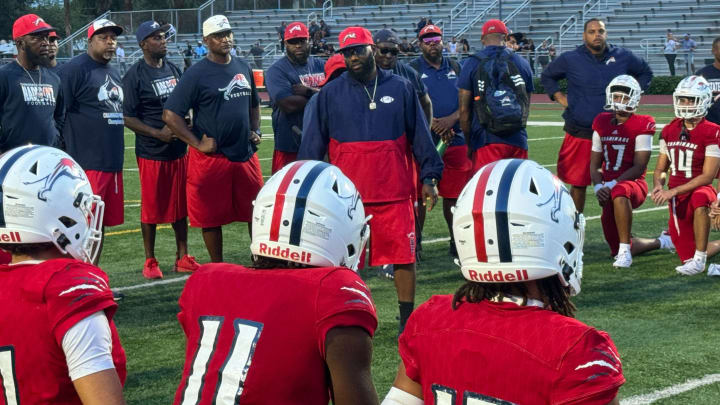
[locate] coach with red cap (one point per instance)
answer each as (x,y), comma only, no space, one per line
(370,123)
(31,99)
(488,146)
(223,173)
(291,81)
(93,131)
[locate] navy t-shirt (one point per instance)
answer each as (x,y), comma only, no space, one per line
(712,75)
(94,126)
(221,96)
(443,93)
(406,71)
(29,112)
(146,90)
(281,76)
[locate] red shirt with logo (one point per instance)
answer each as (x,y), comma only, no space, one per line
(687,149)
(618,142)
(505,352)
(39,303)
(258,336)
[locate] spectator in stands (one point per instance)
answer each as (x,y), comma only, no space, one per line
(543,54)
(712,74)
(200,50)
(529,53)
(281,35)
(452,47)
(120,54)
(423,22)
(589,68)
(688,46)
(552,52)
(324,29)
(670,52)
(187,56)
(234,51)
(313,28)
(512,42)
(405,46)
(464,46)
(257,52)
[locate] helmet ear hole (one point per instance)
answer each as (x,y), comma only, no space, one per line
(569,247)
(33,169)
(533,188)
(68,222)
(335,187)
(350,250)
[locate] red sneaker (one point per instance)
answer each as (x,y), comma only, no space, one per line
(186,264)
(151,270)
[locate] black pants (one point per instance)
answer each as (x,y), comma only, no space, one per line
(671,62)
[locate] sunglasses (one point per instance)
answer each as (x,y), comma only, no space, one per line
(392,51)
(432,40)
(355,50)
(297,41)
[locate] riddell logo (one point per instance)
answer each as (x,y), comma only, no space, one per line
(520,275)
(10,237)
(303,257)
(295,28)
(350,35)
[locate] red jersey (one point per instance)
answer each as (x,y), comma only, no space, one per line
(39,303)
(619,142)
(258,336)
(505,352)
(687,149)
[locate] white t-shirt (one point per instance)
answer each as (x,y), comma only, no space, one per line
(670,46)
(120,52)
(452,47)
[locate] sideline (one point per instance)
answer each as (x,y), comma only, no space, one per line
(671,391)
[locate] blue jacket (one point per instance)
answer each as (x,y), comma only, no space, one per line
(374,148)
(588,77)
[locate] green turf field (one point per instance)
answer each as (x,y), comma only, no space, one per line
(664,325)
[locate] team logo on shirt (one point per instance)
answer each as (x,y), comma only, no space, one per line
(38,94)
(611,60)
(163,87)
(387,100)
(110,95)
(238,82)
(451,75)
(65,168)
(312,79)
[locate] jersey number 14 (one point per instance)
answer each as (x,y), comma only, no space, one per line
(681,160)
(9,388)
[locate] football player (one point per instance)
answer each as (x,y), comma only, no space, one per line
(297,327)
(621,146)
(520,240)
(689,150)
(58,343)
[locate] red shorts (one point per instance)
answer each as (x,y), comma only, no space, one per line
(633,190)
(280,159)
(494,152)
(456,173)
(680,225)
(109,186)
(392,232)
(220,191)
(162,190)
(573,165)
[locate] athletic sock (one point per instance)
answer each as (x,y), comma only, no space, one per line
(406,309)
(700,256)
(624,247)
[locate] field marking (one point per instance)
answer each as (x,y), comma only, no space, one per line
(671,391)
(154,283)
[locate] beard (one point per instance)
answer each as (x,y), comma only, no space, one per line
(367,68)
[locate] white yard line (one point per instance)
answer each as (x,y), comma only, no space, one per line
(671,391)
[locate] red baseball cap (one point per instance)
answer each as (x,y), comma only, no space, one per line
(354,36)
(430,29)
(53,34)
(296,30)
(333,64)
(494,27)
(103,24)
(29,24)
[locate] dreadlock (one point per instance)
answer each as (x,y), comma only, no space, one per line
(554,295)
(26,249)
(264,262)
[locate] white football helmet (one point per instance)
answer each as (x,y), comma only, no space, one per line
(310,213)
(627,89)
(698,90)
(514,222)
(46,197)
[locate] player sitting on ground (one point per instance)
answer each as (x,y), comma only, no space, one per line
(58,344)
(507,335)
(297,328)
(621,145)
(689,148)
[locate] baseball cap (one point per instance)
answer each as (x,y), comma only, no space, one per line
(430,29)
(296,30)
(215,24)
(29,24)
(494,27)
(333,64)
(148,28)
(103,24)
(386,35)
(354,36)
(53,34)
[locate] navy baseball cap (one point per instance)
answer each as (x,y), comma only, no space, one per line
(148,28)
(386,35)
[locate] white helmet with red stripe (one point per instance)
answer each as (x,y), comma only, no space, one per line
(46,197)
(310,213)
(692,97)
(514,222)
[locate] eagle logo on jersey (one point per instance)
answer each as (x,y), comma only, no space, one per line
(65,168)
(238,82)
(110,94)
(555,199)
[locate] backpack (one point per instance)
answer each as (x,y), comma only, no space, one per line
(501,102)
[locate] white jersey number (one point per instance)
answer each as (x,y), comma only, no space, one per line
(446,396)
(682,162)
(7,373)
(235,368)
(620,152)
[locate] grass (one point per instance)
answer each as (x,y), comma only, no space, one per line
(663,324)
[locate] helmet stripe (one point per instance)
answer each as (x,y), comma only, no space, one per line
(477,212)
(280,200)
(501,205)
(301,200)
(4,172)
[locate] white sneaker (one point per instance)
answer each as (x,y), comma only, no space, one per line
(623,259)
(714,270)
(665,241)
(691,267)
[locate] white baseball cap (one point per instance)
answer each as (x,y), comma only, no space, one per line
(215,24)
